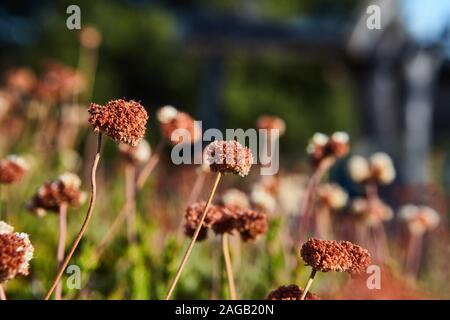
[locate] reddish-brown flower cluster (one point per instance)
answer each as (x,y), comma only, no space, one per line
(290,292)
(16,252)
(178,127)
(229,156)
(339,256)
(58,82)
(271,123)
(123,121)
(248,223)
(12,170)
(51,195)
(322,147)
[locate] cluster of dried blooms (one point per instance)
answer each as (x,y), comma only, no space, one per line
(12,169)
(16,251)
(135,155)
(177,126)
(123,121)
(248,223)
(419,219)
(379,168)
(339,256)
(51,195)
(229,156)
(332,196)
(271,123)
(322,147)
(371,212)
(290,292)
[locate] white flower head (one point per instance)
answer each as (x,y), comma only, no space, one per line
(70,180)
(166,114)
(359,169)
(5,228)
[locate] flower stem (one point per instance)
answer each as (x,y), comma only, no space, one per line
(150,165)
(61,245)
(228,266)
(194,239)
(86,220)
(308,285)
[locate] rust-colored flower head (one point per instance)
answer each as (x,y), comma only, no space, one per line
(372,212)
(321,147)
(234,198)
(135,155)
(51,195)
(229,156)
(251,224)
(419,219)
(123,121)
(271,123)
(339,256)
(12,169)
(16,251)
(178,127)
(226,220)
(193,215)
(21,80)
(332,196)
(290,292)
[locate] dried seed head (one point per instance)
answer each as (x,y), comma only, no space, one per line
(225,220)
(123,121)
(51,195)
(291,292)
(419,218)
(382,168)
(271,123)
(12,169)
(234,198)
(178,127)
(371,213)
(193,215)
(229,156)
(339,256)
(251,224)
(321,146)
(332,196)
(16,252)
(135,155)
(359,169)
(339,144)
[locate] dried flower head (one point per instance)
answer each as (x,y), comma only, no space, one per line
(229,156)
(290,292)
(379,168)
(251,224)
(193,215)
(272,123)
(263,199)
(332,195)
(234,198)
(226,220)
(12,169)
(22,80)
(359,169)
(339,256)
(16,252)
(321,146)
(135,155)
(51,195)
(371,212)
(123,121)
(178,127)
(419,218)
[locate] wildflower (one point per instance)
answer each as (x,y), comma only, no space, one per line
(16,251)
(262,199)
(359,169)
(136,155)
(226,220)
(234,198)
(250,224)
(419,218)
(371,212)
(290,292)
(321,146)
(332,195)
(271,123)
(339,256)
(170,120)
(193,215)
(90,37)
(21,80)
(51,195)
(229,156)
(379,168)
(123,121)
(12,169)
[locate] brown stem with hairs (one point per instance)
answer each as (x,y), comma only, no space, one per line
(228,266)
(2,293)
(308,285)
(85,222)
(61,245)
(150,165)
(194,239)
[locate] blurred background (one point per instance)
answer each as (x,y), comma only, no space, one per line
(313,63)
